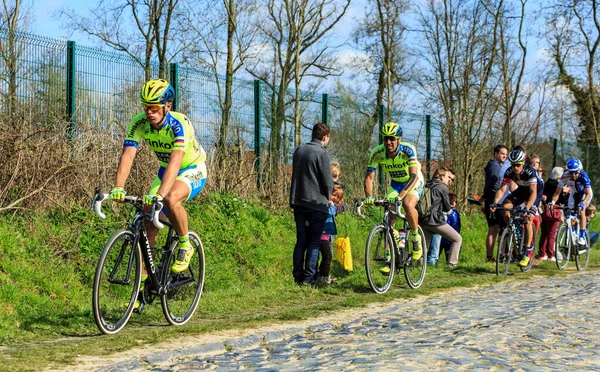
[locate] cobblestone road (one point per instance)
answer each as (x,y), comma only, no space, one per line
(541,324)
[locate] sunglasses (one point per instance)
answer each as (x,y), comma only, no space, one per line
(517,164)
(389,138)
(153,108)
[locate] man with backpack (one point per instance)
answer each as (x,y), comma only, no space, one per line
(432,214)
(399,160)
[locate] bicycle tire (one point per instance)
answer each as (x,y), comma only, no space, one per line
(530,264)
(562,247)
(375,259)
(115,290)
(183,290)
(582,257)
(414,271)
(504,252)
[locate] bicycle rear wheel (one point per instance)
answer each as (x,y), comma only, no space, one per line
(378,259)
(562,247)
(116,283)
(183,290)
(414,271)
(582,257)
(504,252)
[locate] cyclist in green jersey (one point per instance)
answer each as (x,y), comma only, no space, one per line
(182,172)
(399,160)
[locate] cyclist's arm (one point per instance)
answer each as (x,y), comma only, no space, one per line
(171,172)
(587,195)
(124,167)
(368,184)
(500,192)
(410,184)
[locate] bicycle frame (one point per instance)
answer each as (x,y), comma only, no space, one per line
(138,229)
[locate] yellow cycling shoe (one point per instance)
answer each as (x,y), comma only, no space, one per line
(417,252)
(385,271)
(183,259)
(525,261)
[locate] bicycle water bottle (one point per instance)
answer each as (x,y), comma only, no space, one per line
(401,239)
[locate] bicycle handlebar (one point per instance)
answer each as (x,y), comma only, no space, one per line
(382,202)
(154,214)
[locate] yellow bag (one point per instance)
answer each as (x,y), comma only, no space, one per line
(344,253)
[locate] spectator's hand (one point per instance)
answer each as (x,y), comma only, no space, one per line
(149,199)
(369,200)
(117,194)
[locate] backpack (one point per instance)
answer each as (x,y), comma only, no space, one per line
(424,205)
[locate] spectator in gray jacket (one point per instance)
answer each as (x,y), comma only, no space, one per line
(435,222)
(310,191)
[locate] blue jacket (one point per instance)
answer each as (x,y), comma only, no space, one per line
(329,227)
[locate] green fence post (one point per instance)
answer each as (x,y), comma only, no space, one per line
(257,132)
(174,77)
(428,145)
(325,109)
(70,89)
(554,151)
(380,118)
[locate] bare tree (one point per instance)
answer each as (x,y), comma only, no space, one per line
(380,34)
(140,29)
(574,38)
(462,51)
(294,30)
(224,36)
(14,17)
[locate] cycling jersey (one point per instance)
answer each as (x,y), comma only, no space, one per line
(577,187)
(397,168)
(177,133)
(527,177)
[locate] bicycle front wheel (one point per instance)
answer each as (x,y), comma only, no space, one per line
(582,257)
(380,259)
(116,283)
(183,290)
(414,271)
(562,247)
(504,252)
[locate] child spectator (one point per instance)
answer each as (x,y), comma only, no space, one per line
(590,212)
(329,230)
(453,220)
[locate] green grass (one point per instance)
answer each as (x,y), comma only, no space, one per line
(47,263)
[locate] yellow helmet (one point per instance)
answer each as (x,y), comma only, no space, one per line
(391,129)
(157,91)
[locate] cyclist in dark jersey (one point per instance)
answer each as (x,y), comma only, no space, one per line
(525,195)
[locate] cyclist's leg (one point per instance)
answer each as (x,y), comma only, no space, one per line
(188,184)
(412,216)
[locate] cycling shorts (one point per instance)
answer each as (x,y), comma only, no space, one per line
(396,188)
(193,176)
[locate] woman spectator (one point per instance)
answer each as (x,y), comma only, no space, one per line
(435,222)
(550,217)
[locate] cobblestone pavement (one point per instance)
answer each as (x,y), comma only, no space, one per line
(543,324)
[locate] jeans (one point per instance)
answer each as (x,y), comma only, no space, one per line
(433,254)
(309,227)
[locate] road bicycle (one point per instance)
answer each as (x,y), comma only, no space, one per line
(510,245)
(566,245)
(118,273)
(382,250)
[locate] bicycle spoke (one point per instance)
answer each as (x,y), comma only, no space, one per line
(562,247)
(414,271)
(582,256)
